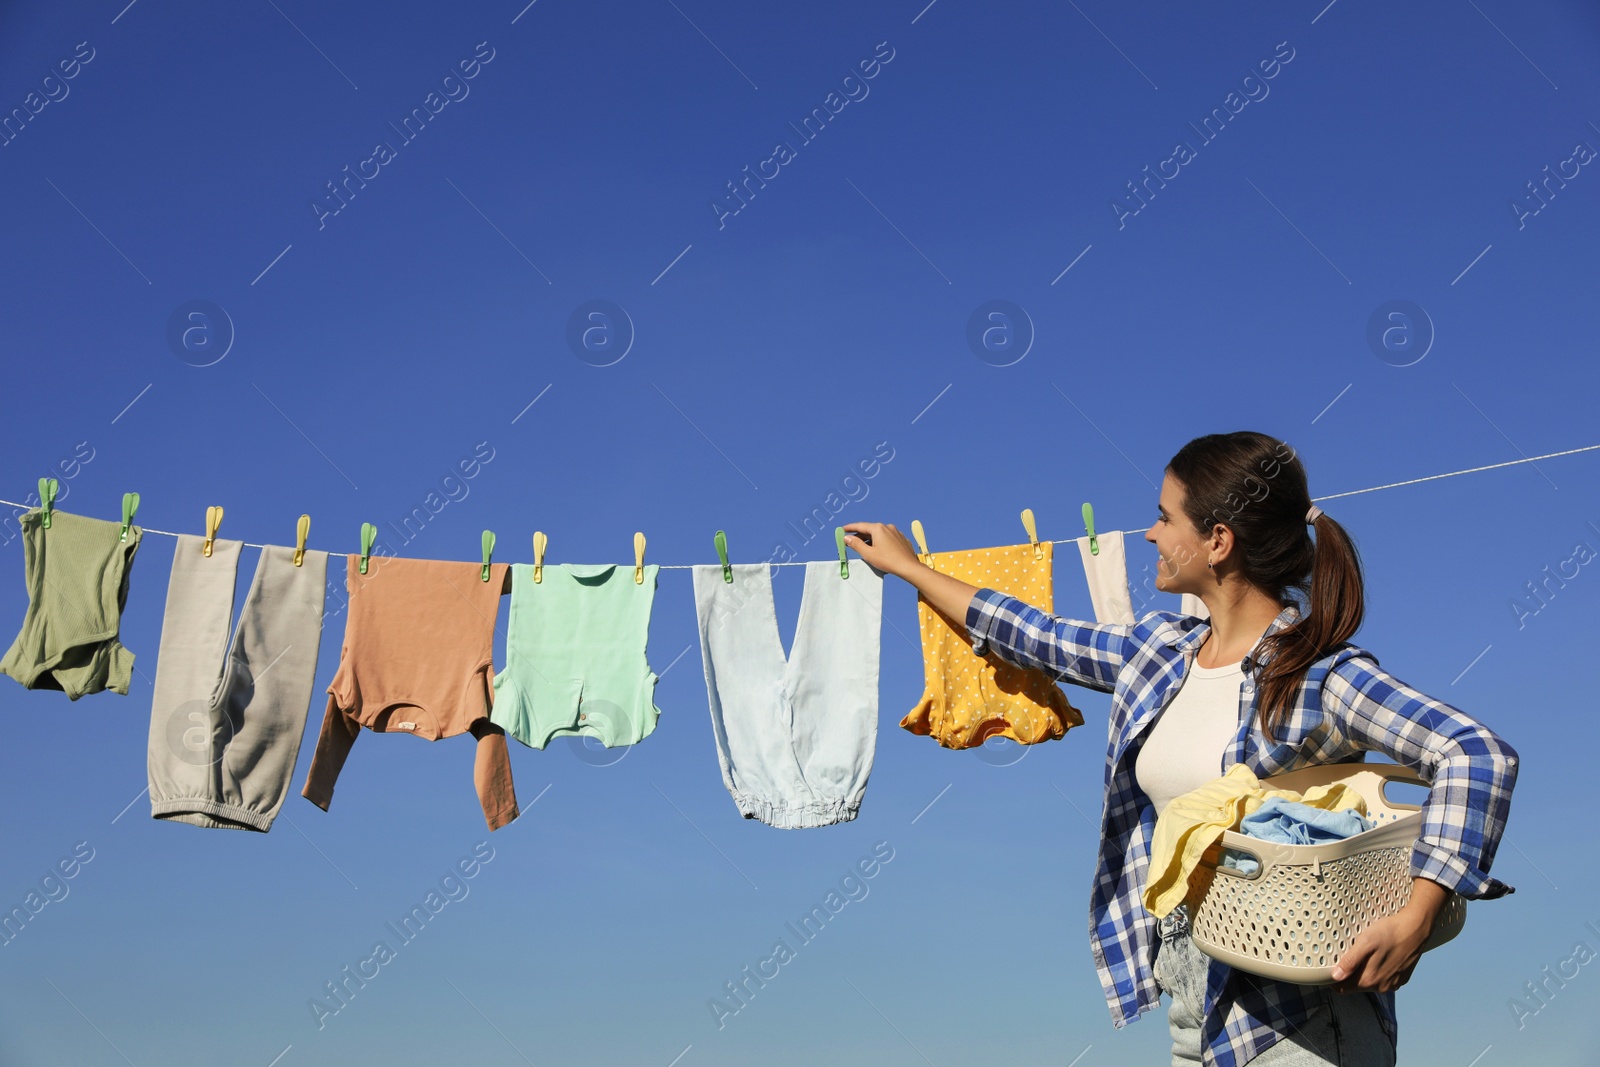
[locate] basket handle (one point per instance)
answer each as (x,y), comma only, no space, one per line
(1392,772)
(1368,779)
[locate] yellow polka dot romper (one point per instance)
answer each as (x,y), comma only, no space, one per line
(969,698)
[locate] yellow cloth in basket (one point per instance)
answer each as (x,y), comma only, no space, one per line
(1194,821)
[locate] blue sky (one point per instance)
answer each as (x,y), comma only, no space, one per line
(746,363)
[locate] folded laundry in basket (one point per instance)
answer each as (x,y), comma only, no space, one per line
(1193,822)
(1290,822)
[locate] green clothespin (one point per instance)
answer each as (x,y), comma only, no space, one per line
(844,564)
(1088,524)
(130,505)
(722,553)
(369,534)
(488,551)
(47,499)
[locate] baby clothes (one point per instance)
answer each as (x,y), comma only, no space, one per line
(1195,821)
(575,656)
(1290,822)
(226,718)
(1107,574)
(969,698)
(417,658)
(795,737)
(77,576)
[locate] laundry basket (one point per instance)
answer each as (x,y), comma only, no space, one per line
(1293,918)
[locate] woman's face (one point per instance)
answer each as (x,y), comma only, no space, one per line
(1183,556)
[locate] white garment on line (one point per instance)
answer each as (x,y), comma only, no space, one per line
(1107,574)
(796,737)
(1193,605)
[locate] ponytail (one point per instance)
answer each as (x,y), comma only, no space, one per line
(1256,485)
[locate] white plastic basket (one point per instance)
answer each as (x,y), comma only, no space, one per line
(1294,917)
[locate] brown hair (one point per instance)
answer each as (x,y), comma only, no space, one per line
(1255,485)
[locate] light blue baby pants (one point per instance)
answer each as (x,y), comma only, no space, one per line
(795,737)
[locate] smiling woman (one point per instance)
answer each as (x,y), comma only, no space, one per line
(1279,687)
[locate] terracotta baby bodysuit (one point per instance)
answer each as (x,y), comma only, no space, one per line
(418,657)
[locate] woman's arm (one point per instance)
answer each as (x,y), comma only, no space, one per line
(1472,771)
(1084,653)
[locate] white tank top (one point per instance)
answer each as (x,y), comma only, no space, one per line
(1184,749)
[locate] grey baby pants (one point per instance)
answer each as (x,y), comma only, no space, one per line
(226,720)
(795,737)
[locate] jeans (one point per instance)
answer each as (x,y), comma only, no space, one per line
(1343,1030)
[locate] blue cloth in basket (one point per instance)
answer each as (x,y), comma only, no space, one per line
(1290,822)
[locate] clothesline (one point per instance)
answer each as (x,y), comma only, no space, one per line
(1067,540)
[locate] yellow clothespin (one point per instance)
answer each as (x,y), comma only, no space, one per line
(213,520)
(302,530)
(1033,533)
(922,542)
(638,558)
(539,543)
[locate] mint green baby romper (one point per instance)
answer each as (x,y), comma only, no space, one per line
(575,656)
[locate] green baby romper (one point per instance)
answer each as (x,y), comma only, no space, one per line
(575,656)
(77,577)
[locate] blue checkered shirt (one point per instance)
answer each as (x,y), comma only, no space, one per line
(1345,708)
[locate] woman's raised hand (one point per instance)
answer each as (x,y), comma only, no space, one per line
(883,547)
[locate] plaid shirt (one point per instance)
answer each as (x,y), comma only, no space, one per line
(1345,708)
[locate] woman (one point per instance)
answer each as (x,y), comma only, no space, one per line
(1277,687)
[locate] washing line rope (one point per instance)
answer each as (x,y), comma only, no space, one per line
(1060,541)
